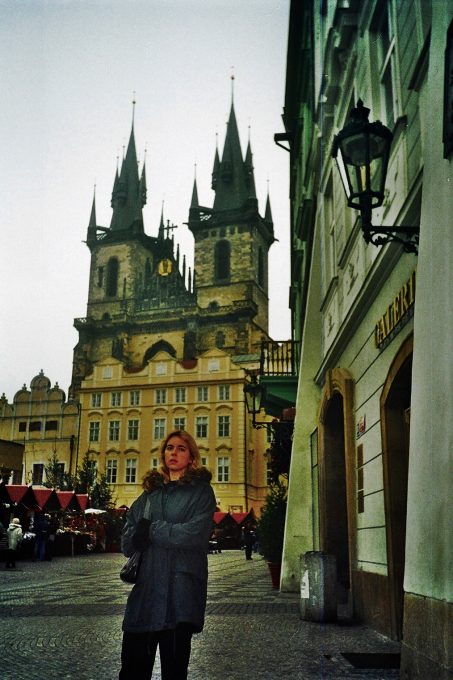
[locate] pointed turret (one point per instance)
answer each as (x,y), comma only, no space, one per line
(231,186)
(215,169)
(194,202)
(127,196)
(268,212)
(161,224)
(91,232)
(143,187)
(250,177)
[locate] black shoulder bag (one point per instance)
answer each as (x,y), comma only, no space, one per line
(129,573)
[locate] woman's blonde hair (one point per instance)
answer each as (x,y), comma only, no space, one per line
(195,462)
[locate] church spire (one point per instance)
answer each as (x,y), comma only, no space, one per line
(231,187)
(161,224)
(250,177)
(194,202)
(127,196)
(268,212)
(91,232)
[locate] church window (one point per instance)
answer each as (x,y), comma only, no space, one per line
(35,426)
(112,277)
(100,277)
(260,266)
(51,425)
(222,260)
(220,339)
(23,426)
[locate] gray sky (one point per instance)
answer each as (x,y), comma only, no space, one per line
(68,72)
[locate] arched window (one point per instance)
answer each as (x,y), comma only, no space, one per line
(112,277)
(260,266)
(222,261)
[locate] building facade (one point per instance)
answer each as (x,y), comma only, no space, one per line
(359,456)
(177,340)
(46,424)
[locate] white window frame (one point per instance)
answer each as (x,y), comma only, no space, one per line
(96,399)
(130,472)
(160,395)
(115,398)
(159,426)
(114,430)
(224,392)
(223,469)
(179,423)
(134,397)
(202,427)
(203,393)
(94,430)
(111,471)
(224,426)
(180,395)
(133,429)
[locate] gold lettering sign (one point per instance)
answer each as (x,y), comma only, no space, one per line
(396,312)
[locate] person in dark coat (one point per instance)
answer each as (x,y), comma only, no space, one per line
(167,603)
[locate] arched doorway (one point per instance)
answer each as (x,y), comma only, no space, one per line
(395,420)
(336,480)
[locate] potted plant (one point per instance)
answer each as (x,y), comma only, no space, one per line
(271,527)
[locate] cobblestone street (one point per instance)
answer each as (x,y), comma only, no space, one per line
(62,620)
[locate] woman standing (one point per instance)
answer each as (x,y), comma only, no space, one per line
(14,532)
(167,604)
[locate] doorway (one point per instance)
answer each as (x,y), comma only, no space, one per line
(395,419)
(336,476)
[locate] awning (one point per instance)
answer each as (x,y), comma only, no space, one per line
(68,500)
(46,499)
(82,499)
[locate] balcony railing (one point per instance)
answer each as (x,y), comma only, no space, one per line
(279,357)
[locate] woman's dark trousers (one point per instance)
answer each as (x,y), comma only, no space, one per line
(139,651)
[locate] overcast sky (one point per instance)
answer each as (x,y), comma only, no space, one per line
(69,69)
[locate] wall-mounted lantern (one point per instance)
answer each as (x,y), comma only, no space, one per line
(253,395)
(362,151)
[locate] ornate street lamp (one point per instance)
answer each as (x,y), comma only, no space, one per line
(253,394)
(362,151)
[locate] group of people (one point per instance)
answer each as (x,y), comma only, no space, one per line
(44,530)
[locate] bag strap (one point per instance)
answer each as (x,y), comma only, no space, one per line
(147,506)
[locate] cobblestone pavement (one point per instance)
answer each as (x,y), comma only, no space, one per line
(61,620)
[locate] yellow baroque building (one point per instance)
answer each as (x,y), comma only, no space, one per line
(125,415)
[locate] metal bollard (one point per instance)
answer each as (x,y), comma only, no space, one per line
(318,600)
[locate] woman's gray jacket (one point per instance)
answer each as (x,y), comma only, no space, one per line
(172,581)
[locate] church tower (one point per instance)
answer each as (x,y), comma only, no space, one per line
(136,286)
(232,242)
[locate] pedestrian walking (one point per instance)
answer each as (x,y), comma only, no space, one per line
(249,540)
(41,530)
(167,603)
(15,534)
